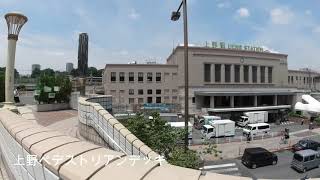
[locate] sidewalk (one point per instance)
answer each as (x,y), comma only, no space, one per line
(235,149)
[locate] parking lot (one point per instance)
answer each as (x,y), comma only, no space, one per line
(275,131)
(282,170)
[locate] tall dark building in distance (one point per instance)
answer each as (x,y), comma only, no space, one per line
(83,54)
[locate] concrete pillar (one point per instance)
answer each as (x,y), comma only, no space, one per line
(266,74)
(222,73)
(258,74)
(255,104)
(232,101)
(241,74)
(232,73)
(250,74)
(212,74)
(211,101)
(9,80)
(275,100)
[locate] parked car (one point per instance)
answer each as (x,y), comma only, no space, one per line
(306,144)
(257,157)
(305,160)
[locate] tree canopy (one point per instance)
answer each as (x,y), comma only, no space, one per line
(163,139)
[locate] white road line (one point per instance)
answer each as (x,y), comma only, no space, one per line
(217,166)
(224,170)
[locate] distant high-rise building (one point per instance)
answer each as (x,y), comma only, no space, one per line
(83,54)
(69,67)
(35,66)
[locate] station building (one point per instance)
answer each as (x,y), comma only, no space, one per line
(222,81)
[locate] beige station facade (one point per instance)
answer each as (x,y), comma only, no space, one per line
(220,81)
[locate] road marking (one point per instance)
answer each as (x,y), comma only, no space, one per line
(217,166)
(225,170)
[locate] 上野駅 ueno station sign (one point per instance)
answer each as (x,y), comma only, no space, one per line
(224,45)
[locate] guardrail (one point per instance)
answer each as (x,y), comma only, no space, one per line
(93,113)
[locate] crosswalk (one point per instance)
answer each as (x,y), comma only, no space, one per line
(228,168)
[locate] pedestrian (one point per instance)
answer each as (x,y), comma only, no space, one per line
(16,95)
(302,121)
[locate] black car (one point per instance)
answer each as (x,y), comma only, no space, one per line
(306,144)
(256,157)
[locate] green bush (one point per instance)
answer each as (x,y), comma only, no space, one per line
(61,96)
(295,114)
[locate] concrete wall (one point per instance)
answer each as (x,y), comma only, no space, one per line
(57,156)
(111,130)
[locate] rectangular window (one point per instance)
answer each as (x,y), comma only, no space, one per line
(217,72)
(288,79)
(140,100)
(131,76)
(174,99)
(237,73)
(140,76)
(158,91)
(166,91)
(207,72)
(246,74)
(149,99)
(158,99)
(254,74)
(149,76)
(291,79)
(121,76)
(158,76)
(227,75)
(140,91)
(262,74)
(270,75)
(131,100)
(149,91)
(166,99)
(174,91)
(131,91)
(193,100)
(304,80)
(113,76)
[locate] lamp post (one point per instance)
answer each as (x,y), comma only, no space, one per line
(15,21)
(174,17)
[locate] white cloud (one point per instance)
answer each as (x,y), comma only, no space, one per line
(316,29)
(281,15)
(224,5)
(134,14)
(243,12)
(308,12)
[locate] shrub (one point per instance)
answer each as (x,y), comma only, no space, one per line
(63,95)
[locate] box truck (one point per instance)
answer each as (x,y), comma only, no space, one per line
(219,128)
(180,125)
(206,119)
(253,117)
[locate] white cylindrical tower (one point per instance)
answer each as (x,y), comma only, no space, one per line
(15,21)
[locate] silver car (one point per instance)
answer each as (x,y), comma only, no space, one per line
(305,160)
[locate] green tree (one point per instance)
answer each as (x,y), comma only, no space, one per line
(47,72)
(63,95)
(36,73)
(163,139)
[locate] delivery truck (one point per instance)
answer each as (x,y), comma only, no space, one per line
(206,119)
(253,117)
(180,125)
(220,128)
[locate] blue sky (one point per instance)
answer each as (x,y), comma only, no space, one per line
(121,31)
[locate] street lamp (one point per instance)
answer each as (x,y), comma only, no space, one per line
(174,17)
(15,21)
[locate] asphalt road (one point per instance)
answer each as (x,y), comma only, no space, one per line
(282,170)
(293,127)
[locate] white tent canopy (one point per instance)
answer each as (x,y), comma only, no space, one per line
(312,106)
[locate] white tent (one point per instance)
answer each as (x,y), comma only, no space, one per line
(311,105)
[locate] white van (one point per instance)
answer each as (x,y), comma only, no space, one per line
(256,129)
